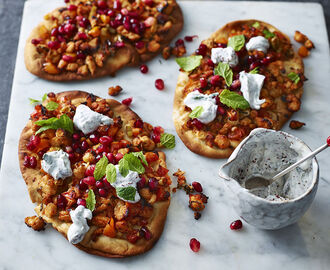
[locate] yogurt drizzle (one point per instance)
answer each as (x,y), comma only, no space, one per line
(224,55)
(258,43)
(57,164)
(79,227)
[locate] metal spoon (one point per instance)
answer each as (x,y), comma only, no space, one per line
(259,181)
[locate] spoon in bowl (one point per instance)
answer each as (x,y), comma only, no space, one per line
(259,181)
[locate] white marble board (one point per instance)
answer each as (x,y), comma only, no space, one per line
(305,245)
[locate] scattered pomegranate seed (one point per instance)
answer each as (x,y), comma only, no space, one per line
(68,58)
(118,156)
(54,45)
(159,84)
(139,44)
(119,44)
(236,225)
(254,65)
(197,186)
(194,244)
(266,60)
(198,124)
(141,183)
(90,170)
(148,2)
(235,85)
(328,140)
(82,185)
(84,145)
(106,140)
(221,45)
(72,7)
(54,32)
(33,162)
(116,5)
(179,42)
(61,201)
(106,183)
(138,123)
(102,4)
(210,63)
(72,157)
(82,35)
(153,184)
(111,158)
(26,162)
(94,138)
(158,130)
(89,180)
(201,49)
(103,192)
(190,38)
(69,29)
(81,202)
(144,68)
(155,138)
(102,148)
(203,82)
(127,101)
(146,233)
(221,110)
(36,41)
(215,80)
(76,136)
(99,184)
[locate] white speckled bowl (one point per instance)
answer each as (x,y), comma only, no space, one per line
(246,161)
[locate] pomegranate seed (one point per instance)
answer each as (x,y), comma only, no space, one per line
(138,123)
(118,156)
(106,183)
(235,85)
(81,202)
(141,183)
(99,184)
(190,38)
(159,84)
(61,29)
(106,140)
(89,180)
(127,25)
(124,11)
(30,146)
(33,162)
(328,140)
(197,186)
(36,41)
(221,45)
(34,142)
(146,233)
(69,29)
(102,4)
(144,68)
(54,32)
(111,13)
(266,60)
(66,1)
(68,58)
(155,138)
(26,162)
(153,184)
(75,146)
(119,44)
(82,35)
(254,65)
(72,7)
(210,63)
(54,45)
(103,192)
(116,5)
(158,130)
(215,80)
(139,44)
(41,153)
(84,145)
(61,201)
(81,55)
(61,39)
(102,148)
(90,170)
(198,124)
(71,157)
(203,82)
(82,185)
(194,244)
(84,22)
(201,49)
(94,138)
(68,149)
(111,158)
(76,136)
(148,2)
(179,42)
(236,225)
(221,110)
(127,101)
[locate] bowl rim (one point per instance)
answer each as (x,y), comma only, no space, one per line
(315,168)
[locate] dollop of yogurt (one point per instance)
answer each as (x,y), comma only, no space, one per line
(224,55)
(130,180)
(251,85)
(88,121)
(208,102)
(79,227)
(57,164)
(258,43)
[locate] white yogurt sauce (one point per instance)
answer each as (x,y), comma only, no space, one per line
(251,85)
(130,180)
(224,55)
(87,120)
(258,43)
(57,164)
(79,227)
(208,103)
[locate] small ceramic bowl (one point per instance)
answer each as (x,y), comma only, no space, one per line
(266,152)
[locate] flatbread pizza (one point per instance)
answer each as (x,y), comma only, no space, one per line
(90,39)
(246,75)
(91,166)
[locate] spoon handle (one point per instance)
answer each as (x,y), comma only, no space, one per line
(290,168)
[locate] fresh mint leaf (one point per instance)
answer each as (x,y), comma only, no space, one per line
(167,140)
(267,33)
(233,100)
(254,71)
(256,25)
(134,163)
(195,113)
(111,173)
(224,71)
(44,97)
(123,167)
(51,106)
(294,77)
(126,193)
(189,63)
(90,201)
(63,122)
(100,168)
(34,101)
(141,156)
(236,42)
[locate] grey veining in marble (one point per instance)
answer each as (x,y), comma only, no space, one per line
(305,245)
